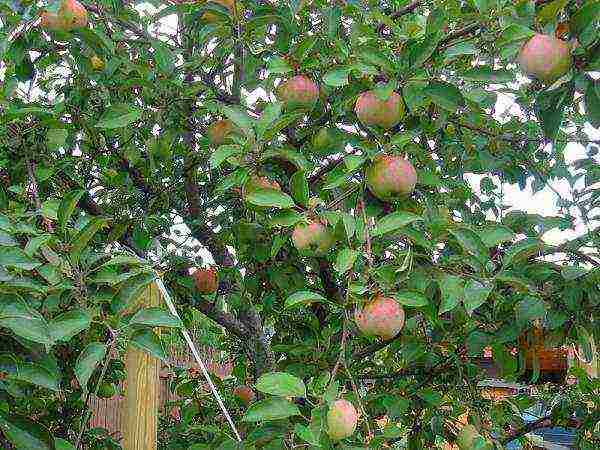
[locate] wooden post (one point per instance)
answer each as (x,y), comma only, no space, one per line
(139,413)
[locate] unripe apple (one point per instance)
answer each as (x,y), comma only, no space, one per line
(97,63)
(382,316)
(245,394)
(70,15)
(312,239)
(545,58)
(298,92)
(206,280)
(219,132)
(371,110)
(327,140)
(390,176)
(341,419)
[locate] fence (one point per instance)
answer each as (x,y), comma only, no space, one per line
(108,412)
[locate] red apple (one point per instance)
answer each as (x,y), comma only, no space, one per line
(390,176)
(312,239)
(245,394)
(206,280)
(341,419)
(218,132)
(545,58)
(382,316)
(371,110)
(298,92)
(70,15)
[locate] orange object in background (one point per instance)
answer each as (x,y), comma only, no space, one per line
(551,360)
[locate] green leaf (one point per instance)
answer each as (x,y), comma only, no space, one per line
(470,242)
(67,206)
(164,57)
(586,344)
(337,77)
(285,218)
(81,239)
(393,222)
(25,434)
(303,298)
(220,155)
(239,117)
(550,107)
(155,317)
(461,48)
(130,290)
(421,51)
(345,260)
(488,75)
(570,273)
(484,5)
(17,258)
(56,138)
(281,123)
(270,409)
(411,298)
(7,240)
(270,198)
(476,294)
(549,12)
(592,100)
(521,250)
(514,33)
(584,17)
(281,384)
(493,234)
(38,375)
(25,322)
(299,188)
(278,65)
(87,361)
(306,434)
(61,444)
(69,324)
(445,95)
(453,290)
(349,224)
(124,260)
(119,116)
(149,342)
(268,117)
(353,162)
(530,309)
(35,243)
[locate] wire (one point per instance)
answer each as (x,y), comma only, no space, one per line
(192,346)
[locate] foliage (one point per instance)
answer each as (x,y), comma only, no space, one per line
(106,173)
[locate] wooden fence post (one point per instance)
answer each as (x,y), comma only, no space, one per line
(139,414)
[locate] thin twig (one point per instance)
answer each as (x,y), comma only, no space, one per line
(358,399)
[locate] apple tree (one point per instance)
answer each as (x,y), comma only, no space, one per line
(324,187)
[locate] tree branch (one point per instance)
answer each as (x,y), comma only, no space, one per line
(542,422)
(401,12)
(226,320)
(374,348)
(331,288)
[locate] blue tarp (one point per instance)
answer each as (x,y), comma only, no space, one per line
(555,435)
